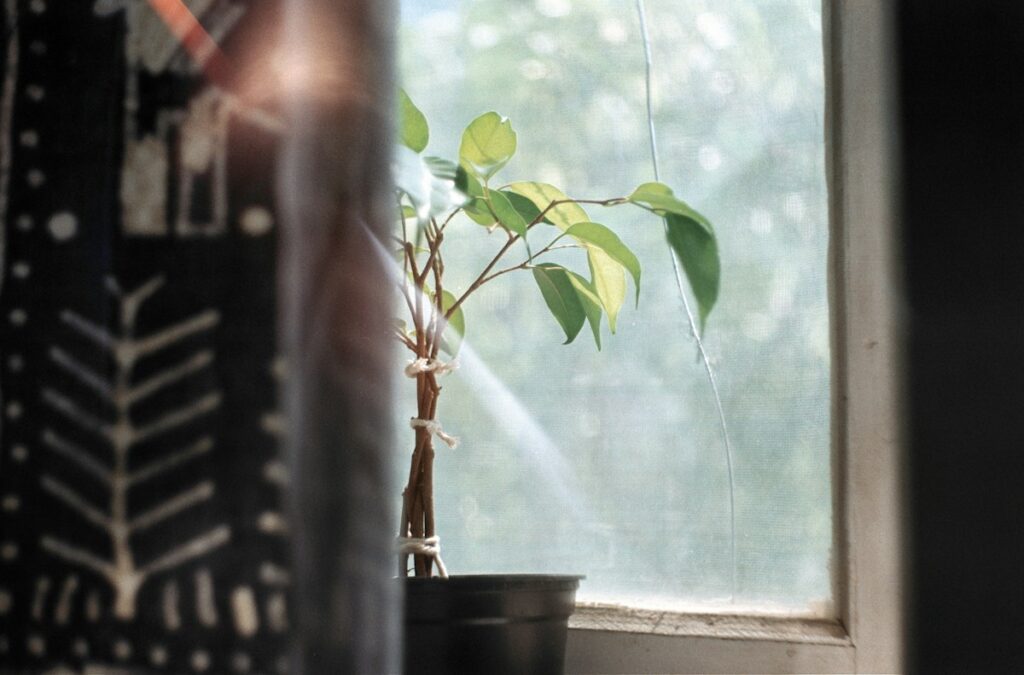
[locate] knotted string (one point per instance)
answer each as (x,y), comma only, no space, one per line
(434,427)
(428,546)
(425,365)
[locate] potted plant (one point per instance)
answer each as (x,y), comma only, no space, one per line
(510,623)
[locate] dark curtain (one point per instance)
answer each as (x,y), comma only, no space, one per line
(162,507)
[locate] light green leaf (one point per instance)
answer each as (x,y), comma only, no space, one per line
(542,195)
(595,234)
(411,175)
(697,250)
(412,125)
(561,298)
(591,304)
(442,168)
(430,193)
(455,331)
(479,212)
(487,144)
(609,282)
(659,197)
(506,213)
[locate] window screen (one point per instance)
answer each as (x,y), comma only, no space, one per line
(613,464)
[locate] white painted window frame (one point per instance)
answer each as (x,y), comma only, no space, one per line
(865,634)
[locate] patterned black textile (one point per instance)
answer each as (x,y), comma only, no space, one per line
(140,519)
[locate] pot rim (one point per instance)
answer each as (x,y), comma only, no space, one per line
(494,582)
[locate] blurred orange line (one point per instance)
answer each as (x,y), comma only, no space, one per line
(197,42)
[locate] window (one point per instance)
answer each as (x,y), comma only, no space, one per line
(612,464)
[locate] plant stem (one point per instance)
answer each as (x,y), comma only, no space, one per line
(418,516)
(483,275)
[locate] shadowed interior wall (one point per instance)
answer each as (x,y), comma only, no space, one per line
(963,168)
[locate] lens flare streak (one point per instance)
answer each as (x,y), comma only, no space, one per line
(199,45)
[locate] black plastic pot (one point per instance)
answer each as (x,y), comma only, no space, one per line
(488,624)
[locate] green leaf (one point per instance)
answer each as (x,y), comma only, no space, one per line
(542,195)
(487,144)
(479,212)
(412,125)
(455,331)
(442,169)
(609,282)
(561,298)
(527,209)
(467,183)
(595,234)
(506,213)
(659,197)
(591,304)
(697,250)
(430,193)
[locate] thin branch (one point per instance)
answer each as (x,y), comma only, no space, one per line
(483,278)
(483,275)
(404,288)
(404,339)
(440,321)
(449,219)
(558,202)
(410,256)
(526,263)
(435,245)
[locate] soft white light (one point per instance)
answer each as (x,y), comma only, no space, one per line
(716,30)
(709,157)
(614,31)
(554,8)
(483,35)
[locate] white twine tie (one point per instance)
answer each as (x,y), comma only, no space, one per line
(428,546)
(434,427)
(425,365)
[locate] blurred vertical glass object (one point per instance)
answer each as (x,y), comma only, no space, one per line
(611,464)
(335,201)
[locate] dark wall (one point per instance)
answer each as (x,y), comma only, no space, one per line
(961,90)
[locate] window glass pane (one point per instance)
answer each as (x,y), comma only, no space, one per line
(612,463)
